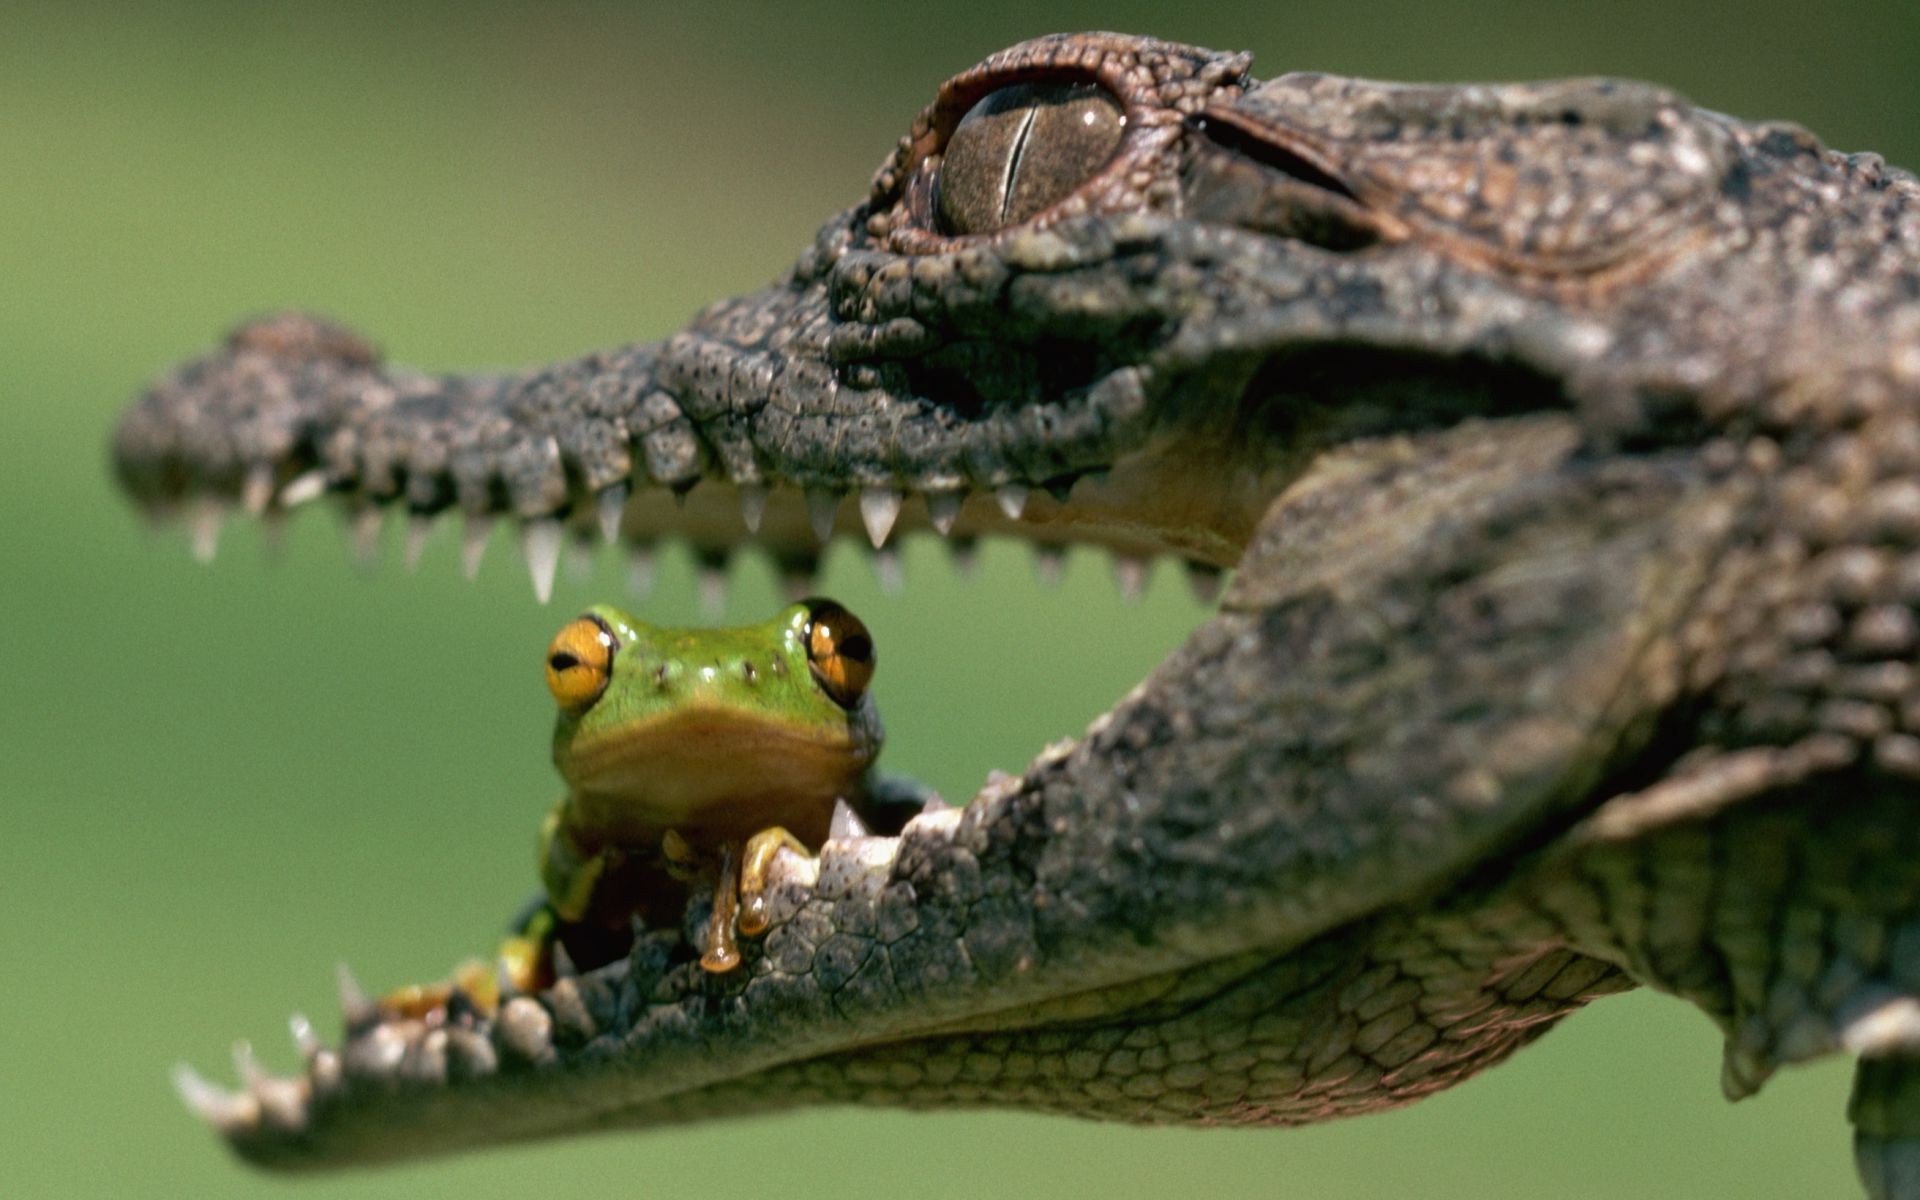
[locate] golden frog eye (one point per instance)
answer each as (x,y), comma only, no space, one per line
(579,663)
(1021,149)
(840,652)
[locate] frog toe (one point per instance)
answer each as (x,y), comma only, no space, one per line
(756,869)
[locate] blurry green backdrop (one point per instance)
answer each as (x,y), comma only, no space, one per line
(217,781)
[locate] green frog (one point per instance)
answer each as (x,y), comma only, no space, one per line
(691,758)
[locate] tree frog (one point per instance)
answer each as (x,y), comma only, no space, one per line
(690,756)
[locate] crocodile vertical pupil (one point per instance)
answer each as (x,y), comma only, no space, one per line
(1020,150)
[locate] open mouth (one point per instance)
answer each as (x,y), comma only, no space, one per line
(1108,293)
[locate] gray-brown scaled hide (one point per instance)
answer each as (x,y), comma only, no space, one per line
(1564,441)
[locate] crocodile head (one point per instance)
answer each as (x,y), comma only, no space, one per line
(1470,384)
(1106,291)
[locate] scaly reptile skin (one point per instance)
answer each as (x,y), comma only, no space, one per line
(1565,441)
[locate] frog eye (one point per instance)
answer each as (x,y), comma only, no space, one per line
(840,652)
(579,663)
(1021,149)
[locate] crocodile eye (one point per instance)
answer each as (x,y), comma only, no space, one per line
(1021,149)
(579,663)
(840,652)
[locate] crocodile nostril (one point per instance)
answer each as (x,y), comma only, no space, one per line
(1020,150)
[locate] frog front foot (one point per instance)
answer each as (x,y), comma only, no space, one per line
(740,903)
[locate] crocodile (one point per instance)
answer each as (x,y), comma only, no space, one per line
(1558,448)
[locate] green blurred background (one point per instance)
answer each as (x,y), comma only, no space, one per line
(217,781)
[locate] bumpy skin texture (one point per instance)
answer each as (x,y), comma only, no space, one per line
(1566,442)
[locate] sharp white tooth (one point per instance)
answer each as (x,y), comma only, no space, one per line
(303,488)
(1205,581)
(943,509)
(204,528)
(224,1110)
(713,593)
(354,1005)
(640,572)
(890,571)
(273,533)
(1049,564)
(964,553)
(419,529)
(1130,573)
(246,1066)
(753,505)
(365,536)
(257,492)
(540,545)
(879,508)
(305,1040)
(610,505)
(845,822)
(473,544)
(822,508)
(579,561)
(1012,498)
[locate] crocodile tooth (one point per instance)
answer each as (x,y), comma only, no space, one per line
(257,492)
(419,529)
(470,1056)
(1061,488)
(1012,498)
(1049,564)
(354,1005)
(1888,1166)
(611,504)
(753,505)
(797,573)
(377,1054)
(889,571)
(879,508)
(273,533)
(473,544)
(713,593)
(1204,579)
(943,509)
(1886,1028)
(246,1066)
(1130,573)
(364,535)
(964,554)
(504,980)
(305,1040)
(580,560)
(283,1102)
(640,572)
(845,823)
(524,1030)
(563,967)
(204,528)
(822,507)
(540,546)
(426,1061)
(303,488)
(224,1110)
